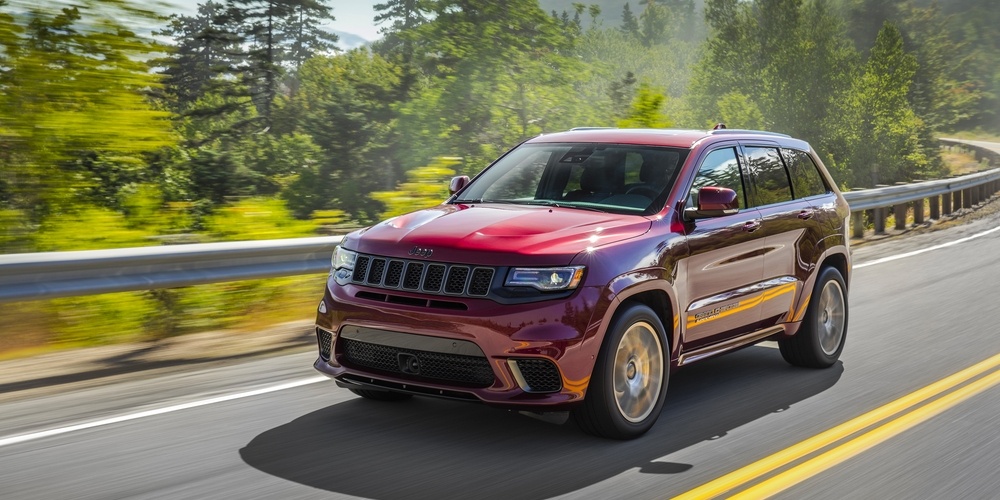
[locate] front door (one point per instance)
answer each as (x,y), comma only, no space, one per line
(725,260)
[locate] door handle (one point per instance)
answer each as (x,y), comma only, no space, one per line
(805,214)
(751,226)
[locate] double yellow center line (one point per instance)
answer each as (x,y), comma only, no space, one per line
(905,413)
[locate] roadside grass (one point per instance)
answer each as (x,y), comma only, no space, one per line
(30,328)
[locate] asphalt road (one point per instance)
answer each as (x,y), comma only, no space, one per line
(914,321)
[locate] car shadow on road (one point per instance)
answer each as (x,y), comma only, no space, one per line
(430,448)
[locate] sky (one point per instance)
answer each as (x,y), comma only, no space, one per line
(353,16)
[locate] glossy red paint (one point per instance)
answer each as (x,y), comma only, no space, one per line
(497,235)
(712,282)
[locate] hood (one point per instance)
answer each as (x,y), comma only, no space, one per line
(498,235)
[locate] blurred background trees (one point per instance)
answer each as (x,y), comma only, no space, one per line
(146,128)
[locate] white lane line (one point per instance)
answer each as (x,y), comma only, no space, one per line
(159,411)
(923,250)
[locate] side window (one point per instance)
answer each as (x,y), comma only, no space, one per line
(720,168)
(769,175)
(806,180)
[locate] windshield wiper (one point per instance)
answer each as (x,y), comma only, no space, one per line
(553,203)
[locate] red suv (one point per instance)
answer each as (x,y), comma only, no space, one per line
(581,268)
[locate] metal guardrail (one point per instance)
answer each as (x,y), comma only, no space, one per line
(33,276)
(905,193)
(944,195)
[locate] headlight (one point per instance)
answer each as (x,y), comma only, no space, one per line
(546,278)
(343,265)
(343,259)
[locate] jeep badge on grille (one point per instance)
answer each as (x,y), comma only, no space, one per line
(421,252)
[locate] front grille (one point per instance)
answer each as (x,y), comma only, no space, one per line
(325,341)
(472,371)
(426,277)
(541,375)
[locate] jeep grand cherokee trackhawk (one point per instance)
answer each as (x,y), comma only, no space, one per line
(579,269)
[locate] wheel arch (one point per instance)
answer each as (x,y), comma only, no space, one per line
(658,296)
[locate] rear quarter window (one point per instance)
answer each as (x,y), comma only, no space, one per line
(770,179)
(806,179)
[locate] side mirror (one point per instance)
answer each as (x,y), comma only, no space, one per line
(457,183)
(713,201)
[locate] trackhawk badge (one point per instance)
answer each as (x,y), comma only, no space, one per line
(421,252)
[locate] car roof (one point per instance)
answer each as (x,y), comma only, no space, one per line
(677,138)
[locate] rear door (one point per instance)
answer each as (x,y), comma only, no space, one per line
(788,226)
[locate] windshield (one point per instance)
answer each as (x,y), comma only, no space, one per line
(607,177)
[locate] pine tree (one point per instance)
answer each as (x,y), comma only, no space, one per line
(204,50)
(630,25)
(305,36)
(879,132)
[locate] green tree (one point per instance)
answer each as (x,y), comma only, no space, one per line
(879,134)
(497,73)
(942,94)
(346,106)
(630,25)
(400,41)
(425,187)
(202,59)
(647,110)
(74,86)
(305,36)
(758,49)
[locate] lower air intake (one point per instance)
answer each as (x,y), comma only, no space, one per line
(471,371)
(540,375)
(325,340)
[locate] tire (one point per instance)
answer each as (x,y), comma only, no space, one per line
(381,395)
(635,359)
(820,339)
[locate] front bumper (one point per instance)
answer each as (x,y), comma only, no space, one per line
(538,354)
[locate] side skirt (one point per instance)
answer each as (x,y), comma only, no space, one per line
(728,345)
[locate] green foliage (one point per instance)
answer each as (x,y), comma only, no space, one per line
(499,72)
(90,228)
(879,134)
(74,81)
(345,104)
(647,110)
(256,219)
(424,187)
(737,110)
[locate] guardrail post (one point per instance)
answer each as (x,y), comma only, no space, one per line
(900,212)
(935,207)
(967,198)
(879,220)
(946,204)
(956,200)
(858,221)
(918,211)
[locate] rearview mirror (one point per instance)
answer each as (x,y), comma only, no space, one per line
(713,201)
(457,183)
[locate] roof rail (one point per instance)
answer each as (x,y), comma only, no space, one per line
(723,131)
(591,128)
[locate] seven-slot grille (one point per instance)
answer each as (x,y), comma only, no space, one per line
(425,277)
